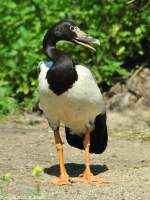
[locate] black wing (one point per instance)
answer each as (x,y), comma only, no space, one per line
(99,136)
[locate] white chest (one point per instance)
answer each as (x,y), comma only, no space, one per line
(77,106)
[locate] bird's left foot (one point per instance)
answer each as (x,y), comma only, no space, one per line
(88,176)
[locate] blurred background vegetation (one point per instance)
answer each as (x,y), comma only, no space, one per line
(121,25)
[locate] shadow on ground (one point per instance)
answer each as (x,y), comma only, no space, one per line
(74,169)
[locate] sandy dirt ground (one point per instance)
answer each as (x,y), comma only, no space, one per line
(26,141)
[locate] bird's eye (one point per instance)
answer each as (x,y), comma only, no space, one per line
(72,28)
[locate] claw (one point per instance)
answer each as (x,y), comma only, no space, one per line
(62,180)
(90,178)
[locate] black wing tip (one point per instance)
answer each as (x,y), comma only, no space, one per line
(99,136)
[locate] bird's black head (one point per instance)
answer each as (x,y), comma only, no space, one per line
(64,30)
(69,31)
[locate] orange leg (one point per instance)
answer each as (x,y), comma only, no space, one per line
(64,177)
(87,175)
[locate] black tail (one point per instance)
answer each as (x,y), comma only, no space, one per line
(99,136)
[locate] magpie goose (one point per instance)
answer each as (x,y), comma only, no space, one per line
(69,94)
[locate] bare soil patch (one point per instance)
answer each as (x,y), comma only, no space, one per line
(27,141)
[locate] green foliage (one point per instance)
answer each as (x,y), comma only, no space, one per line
(37,170)
(7,177)
(7,103)
(119,24)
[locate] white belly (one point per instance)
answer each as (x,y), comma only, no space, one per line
(77,107)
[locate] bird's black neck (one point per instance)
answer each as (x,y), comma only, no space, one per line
(56,55)
(62,75)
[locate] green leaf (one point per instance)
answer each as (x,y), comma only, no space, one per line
(120,51)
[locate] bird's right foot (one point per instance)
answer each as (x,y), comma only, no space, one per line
(62,180)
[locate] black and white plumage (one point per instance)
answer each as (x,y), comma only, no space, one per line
(69,92)
(77,107)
